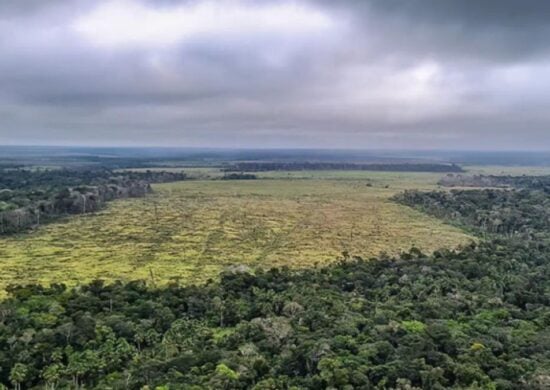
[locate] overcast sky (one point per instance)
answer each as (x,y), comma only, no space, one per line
(450,74)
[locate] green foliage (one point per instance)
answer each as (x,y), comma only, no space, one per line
(413,326)
(18,374)
(512,212)
(475,318)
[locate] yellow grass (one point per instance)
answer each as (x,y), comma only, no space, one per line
(189,231)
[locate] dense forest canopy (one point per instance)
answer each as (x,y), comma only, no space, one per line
(477,317)
(521,210)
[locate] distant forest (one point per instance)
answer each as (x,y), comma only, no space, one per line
(147,157)
(327,166)
(475,318)
(530,182)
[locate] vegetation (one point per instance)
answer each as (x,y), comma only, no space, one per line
(523,211)
(513,170)
(476,318)
(190,230)
(343,166)
(29,198)
(541,182)
(239,176)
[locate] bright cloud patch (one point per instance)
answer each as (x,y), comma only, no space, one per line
(127,23)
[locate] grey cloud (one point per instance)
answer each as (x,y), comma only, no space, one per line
(498,30)
(390,73)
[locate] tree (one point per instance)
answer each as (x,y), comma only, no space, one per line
(52,375)
(219,307)
(224,377)
(18,374)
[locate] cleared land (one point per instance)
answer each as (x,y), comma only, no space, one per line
(188,231)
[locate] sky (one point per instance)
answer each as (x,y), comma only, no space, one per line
(366,74)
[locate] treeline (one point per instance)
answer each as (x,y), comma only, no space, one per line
(529,182)
(511,212)
(53,179)
(29,198)
(239,176)
(327,166)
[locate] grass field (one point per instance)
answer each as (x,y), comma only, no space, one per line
(188,231)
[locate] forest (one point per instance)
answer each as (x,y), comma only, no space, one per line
(342,166)
(524,181)
(29,198)
(476,317)
(521,210)
(239,176)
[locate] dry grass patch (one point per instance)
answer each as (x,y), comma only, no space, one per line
(188,231)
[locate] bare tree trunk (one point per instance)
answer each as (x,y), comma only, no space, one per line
(83,204)
(152,277)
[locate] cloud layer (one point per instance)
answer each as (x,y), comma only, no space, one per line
(369,74)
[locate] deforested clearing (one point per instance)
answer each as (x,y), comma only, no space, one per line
(187,232)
